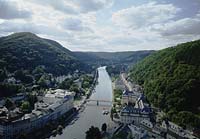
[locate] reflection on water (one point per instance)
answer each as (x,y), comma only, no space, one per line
(93,114)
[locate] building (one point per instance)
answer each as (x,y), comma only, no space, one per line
(130,114)
(147,123)
(138,133)
(176,132)
(55,103)
(129,97)
(135,112)
(141,102)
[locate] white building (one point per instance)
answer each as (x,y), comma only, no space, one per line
(135,113)
(55,104)
(129,114)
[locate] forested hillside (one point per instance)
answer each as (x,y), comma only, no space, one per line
(27,51)
(27,59)
(171,81)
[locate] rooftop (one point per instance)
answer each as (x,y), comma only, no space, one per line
(132,110)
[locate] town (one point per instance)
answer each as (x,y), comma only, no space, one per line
(44,110)
(137,118)
(132,115)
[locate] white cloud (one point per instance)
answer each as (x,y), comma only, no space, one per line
(92,5)
(11,10)
(185,26)
(60,5)
(21,26)
(178,31)
(76,6)
(144,15)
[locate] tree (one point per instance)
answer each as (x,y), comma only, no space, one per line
(66,84)
(75,89)
(86,84)
(3,75)
(113,111)
(24,76)
(32,99)
(25,106)
(10,89)
(43,81)
(104,127)
(93,133)
(38,70)
(9,104)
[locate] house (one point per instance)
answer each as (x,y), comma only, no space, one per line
(130,114)
(136,110)
(129,97)
(176,132)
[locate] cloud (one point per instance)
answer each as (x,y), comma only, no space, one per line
(76,6)
(21,26)
(178,31)
(185,26)
(74,24)
(10,26)
(10,10)
(59,5)
(92,5)
(100,25)
(144,15)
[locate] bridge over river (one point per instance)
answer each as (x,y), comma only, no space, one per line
(92,116)
(99,102)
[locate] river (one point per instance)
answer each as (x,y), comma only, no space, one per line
(92,115)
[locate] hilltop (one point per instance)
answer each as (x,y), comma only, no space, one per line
(27,51)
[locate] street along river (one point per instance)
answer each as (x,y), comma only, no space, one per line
(93,112)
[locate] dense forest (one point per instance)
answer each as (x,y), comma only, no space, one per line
(171,81)
(28,51)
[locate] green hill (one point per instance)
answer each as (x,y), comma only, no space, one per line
(112,57)
(28,51)
(115,61)
(27,60)
(171,81)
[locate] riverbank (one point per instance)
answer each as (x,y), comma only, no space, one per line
(91,115)
(54,128)
(79,104)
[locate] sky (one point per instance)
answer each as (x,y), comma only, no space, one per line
(104,25)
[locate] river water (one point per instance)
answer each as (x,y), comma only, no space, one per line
(92,115)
